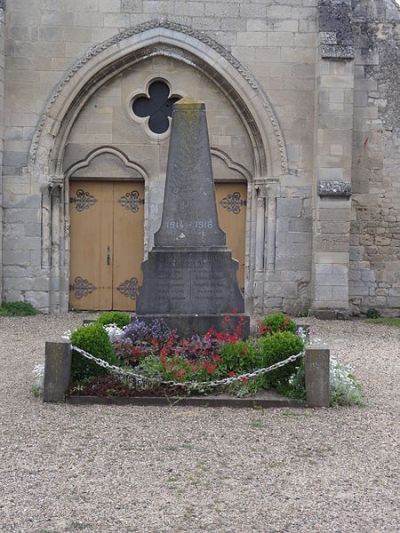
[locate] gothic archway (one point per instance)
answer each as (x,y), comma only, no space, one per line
(105,61)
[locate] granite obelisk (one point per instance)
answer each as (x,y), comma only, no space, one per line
(189,278)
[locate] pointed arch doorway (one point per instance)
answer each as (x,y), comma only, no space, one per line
(106,232)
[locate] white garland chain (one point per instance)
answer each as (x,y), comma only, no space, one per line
(193,384)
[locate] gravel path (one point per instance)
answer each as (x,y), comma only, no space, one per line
(176,469)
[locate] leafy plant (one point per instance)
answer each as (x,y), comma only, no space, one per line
(93,339)
(275,348)
(295,387)
(276,323)
(345,388)
(118,318)
(18,309)
(241,356)
(373,313)
(137,330)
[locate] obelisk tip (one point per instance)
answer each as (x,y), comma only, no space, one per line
(189,103)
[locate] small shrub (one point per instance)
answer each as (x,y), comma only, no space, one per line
(373,313)
(296,386)
(93,339)
(18,309)
(276,323)
(275,348)
(241,356)
(114,317)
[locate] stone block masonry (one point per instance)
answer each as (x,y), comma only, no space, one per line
(304,107)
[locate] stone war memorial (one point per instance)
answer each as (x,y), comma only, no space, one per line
(189,276)
(303,113)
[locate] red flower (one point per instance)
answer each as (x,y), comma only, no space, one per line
(164,351)
(211,369)
(244,380)
(231,374)
(204,364)
(180,373)
(216,358)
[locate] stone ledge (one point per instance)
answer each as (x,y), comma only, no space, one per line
(186,325)
(266,400)
(332,314)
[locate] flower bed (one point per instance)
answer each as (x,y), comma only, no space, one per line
(215,362)
(152,361)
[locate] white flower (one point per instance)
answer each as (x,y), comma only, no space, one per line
(345,388)
(38,373)
(66,335)
(113,332)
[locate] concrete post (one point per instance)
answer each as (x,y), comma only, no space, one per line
(316,369)
(57,371)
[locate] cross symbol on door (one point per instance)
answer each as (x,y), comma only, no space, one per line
(157,106)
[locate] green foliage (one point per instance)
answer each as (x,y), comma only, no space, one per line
(275,348)
(373,313)
(240,357)
(93,339)
(276,323)
(247,356)
(114,317)
(386,321)
(295,387)
(18,309)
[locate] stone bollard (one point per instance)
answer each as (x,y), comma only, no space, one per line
(316,369)
(57,371)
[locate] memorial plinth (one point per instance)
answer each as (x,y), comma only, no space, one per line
(189,278)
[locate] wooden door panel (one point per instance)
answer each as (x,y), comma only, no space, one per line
(91,213)
(128,250)
(231,206)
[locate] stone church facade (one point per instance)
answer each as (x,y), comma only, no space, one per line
(303,107)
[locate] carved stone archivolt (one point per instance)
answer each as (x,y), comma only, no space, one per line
(82,287)
(132,201)
(129,288)
(83,200)
(233,202)
(161,37)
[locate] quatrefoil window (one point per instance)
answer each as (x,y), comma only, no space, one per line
(157,106)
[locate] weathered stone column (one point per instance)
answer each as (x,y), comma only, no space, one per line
(316,370)
(333,160)
(57,371)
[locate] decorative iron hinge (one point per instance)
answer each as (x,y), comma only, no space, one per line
(233,202)
(83,200)
(132,201)
(129,288)
(81,287)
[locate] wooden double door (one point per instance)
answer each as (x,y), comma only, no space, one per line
(231,206)
(107,240)
(107,244)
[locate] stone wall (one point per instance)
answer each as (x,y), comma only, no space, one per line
(321,74)
(375,229)
(275,41)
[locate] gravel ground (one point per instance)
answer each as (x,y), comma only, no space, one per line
(176,469)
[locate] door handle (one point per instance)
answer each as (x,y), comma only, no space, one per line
(108,256)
